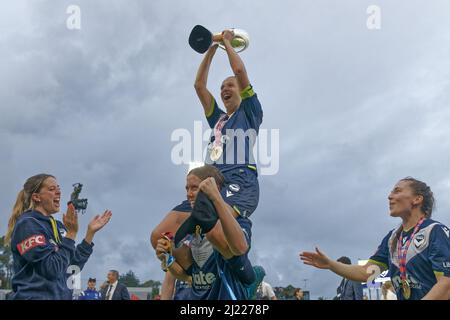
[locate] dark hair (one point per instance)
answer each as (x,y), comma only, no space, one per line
(420,189)
(92,280)
(207,171)
(344,260)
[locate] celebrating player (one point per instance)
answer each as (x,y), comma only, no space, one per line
(232,141)
(417,254)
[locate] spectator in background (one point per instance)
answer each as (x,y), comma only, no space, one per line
(115,290)
(298,294)
(349,289)
(103,286)
(91,292)
(264,290)
(387,291)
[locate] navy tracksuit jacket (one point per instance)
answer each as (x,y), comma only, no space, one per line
(42,256)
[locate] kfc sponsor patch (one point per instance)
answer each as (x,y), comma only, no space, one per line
(30,243)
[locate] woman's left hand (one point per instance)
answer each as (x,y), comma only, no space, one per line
(227,35)
(99,221)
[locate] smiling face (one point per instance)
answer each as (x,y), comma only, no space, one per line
(91,285)
(192,188)
(402,199)
(47,199)
(230,94)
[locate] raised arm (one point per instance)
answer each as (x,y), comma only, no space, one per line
(201,80)
(236,63)
(351,272)
(227,236)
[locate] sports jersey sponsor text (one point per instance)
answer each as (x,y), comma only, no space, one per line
(204,280)
(30,243)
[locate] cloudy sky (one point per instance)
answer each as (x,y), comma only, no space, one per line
(357,109)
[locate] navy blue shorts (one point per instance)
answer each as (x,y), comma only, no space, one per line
(241,192)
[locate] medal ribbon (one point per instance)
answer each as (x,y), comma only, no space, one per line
(403,250)
(218,129)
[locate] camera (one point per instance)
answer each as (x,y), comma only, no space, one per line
(79,204)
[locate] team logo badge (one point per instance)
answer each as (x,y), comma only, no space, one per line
(63,232)
(419,240)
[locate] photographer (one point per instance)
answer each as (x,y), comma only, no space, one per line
(42,247)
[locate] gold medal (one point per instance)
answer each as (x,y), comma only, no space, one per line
(406,289)
(215,153)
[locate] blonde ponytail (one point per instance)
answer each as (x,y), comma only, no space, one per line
(18,209)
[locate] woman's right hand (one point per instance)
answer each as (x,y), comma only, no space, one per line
(70,220)
(162,247)
(316,259)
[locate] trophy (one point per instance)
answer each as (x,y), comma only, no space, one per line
(201,39)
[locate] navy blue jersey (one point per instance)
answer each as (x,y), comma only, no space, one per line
(41,256)
(203,269)
(89,294)
(183,290)
(428,257)
(230,285)
(213,277)
(240,191)
(238,134)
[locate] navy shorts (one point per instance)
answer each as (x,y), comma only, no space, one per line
(241,192)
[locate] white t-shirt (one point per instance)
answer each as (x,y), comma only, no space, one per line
(265,291)
(390,295)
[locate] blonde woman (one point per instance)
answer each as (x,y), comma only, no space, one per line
(42,247)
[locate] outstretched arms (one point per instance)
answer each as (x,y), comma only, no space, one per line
(352,272)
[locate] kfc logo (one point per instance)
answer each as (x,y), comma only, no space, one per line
(30,243)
